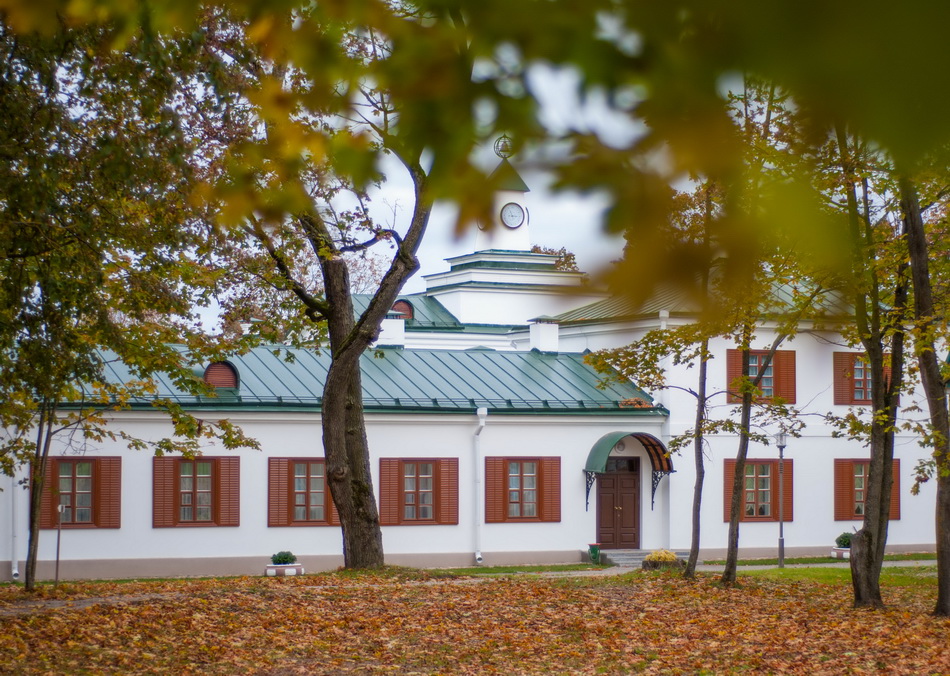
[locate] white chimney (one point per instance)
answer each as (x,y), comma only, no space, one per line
(543,334)
(392,332)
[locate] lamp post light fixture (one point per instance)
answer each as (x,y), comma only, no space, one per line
(781,440)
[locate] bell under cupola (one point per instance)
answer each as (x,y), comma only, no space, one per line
(509,229)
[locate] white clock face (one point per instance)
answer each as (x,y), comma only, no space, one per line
(512,215)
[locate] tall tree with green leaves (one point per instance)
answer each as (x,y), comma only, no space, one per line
(100,249)
(929,331)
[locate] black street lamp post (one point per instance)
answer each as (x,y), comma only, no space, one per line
(780,440)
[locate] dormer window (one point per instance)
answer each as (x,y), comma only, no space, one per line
(221,374)
(403,308)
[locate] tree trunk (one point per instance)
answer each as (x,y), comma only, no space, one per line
(735,508)
(868,544)
(932,381)
(37,479)
(344,426)
(344,429)
(348,468)
(699,461)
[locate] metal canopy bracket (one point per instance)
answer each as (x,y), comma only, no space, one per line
(658,474)
(591,478)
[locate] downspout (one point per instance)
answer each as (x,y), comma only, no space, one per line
(479,493)
(14,568)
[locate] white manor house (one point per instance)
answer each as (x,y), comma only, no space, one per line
(491,440)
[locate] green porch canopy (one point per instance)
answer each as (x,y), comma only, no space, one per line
(597,458)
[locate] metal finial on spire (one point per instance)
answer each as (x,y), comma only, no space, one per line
(504,148)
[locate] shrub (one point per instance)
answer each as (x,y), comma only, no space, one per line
(661,555)
(843,541)
(283,558)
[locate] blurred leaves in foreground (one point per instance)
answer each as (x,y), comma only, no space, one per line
(881,68)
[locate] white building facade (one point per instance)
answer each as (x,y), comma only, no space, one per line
(490,442)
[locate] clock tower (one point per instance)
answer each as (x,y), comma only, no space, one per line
(508,230)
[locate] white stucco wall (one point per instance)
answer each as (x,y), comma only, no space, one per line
(390,435)
(667,524)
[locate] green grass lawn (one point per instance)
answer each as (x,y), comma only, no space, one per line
(914,576)
(805,560)
(512,570)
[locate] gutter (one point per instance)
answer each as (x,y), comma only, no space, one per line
(482,414)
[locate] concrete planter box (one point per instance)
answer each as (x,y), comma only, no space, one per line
(284,570)
(840,553)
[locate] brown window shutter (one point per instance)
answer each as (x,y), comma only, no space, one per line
(228,478)
(278,491)
(733,373)
(448,482)
(334,514)
(784,369)
(390,491)
(495,470)
(895,513)
(221,374)
(788,491)
(107,474)
(164,485)
(47,510)
(550,489)
(843,376)
(728,476)
(844,488)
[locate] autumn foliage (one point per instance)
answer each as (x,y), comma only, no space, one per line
(421,624)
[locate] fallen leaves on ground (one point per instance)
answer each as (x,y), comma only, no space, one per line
(380,624)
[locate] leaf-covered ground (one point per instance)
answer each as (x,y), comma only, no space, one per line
(407,624)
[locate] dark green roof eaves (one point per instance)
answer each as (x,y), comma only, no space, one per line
(540,407)
(500,286)
(506,265)
(468,328)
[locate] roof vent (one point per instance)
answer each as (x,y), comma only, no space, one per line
(221,374)
(404,308)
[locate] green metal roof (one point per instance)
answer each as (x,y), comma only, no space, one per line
(505,177)
(678,302)
(421,380)
(427,313)
(431,316)
(621,308)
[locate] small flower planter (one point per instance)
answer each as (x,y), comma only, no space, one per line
(840,553)
(283,569)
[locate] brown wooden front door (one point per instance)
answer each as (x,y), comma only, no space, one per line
(618,505)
